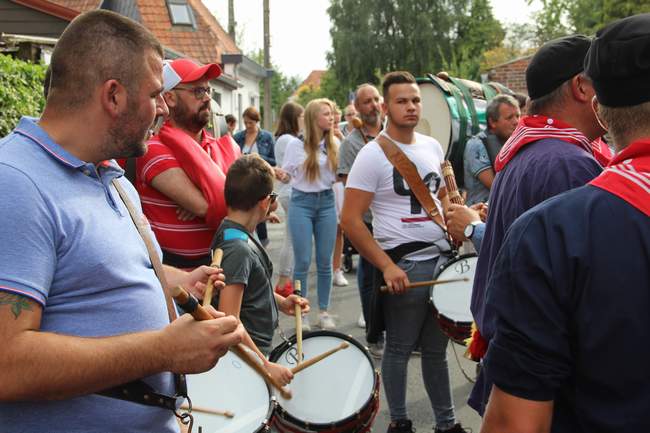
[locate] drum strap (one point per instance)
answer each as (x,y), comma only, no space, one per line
(138,391)
(469,101)
(489,92)
(409,172)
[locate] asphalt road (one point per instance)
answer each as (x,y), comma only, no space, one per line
(345,305)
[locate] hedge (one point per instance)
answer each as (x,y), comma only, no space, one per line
(21,91)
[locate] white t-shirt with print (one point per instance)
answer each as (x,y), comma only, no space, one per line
(398,217)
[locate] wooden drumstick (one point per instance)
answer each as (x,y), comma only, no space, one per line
(298,313)
(320,357)
(217,255)
(428,283)
(226,413)
(450,181)
(190,305)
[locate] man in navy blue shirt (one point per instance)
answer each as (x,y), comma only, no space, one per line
(570,286)
(549,153)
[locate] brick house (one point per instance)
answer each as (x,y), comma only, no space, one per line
(186,28)
(511,74)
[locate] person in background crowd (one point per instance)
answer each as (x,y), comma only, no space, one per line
(399,252)
(312,214)
(338,188)
(81,308)
(253,139)
(368,107)
(289,126)
(181,177)
(502,115)
(338,134)
(231,123)
(348,114)
(549,153)
(584,288)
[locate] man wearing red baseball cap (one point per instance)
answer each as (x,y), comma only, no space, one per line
(181,178)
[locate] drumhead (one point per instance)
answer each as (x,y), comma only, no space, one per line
(230,386)
(332,390)
(453,300)
(435,119)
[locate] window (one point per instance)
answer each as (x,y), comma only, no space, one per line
(180,13)
(217,97)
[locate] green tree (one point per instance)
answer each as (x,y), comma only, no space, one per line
(563,17)
(329,88)
(21,91)
(372,37)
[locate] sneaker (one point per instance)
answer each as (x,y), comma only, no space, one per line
(339,279)
(401,426)
(306,327)
(457,428)
(376,350)
(326,321)
(361,323)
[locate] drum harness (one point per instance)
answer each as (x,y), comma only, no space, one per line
(138,391)
(409,172)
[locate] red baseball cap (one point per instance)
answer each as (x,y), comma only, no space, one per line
(188,71)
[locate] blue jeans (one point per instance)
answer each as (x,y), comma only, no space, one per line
(313,215)
(409,322)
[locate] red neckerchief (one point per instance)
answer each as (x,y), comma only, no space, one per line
(538,127)
(601,151)
(628,175)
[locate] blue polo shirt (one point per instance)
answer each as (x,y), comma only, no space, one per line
(540,170)
(68,243)
(571,292)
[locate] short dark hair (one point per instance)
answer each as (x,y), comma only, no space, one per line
(230,119)
(249,180)
(289,115)
(397,77)
(98,46)
(252,113)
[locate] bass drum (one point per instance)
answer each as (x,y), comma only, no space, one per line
(453,110)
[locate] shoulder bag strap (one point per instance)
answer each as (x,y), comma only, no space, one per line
(153,254)
(409,172)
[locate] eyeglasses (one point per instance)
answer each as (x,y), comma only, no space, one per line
(199,92)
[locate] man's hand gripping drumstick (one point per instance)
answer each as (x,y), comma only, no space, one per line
(190,305)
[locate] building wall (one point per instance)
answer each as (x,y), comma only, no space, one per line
(21,20)
(511,75)
(240,99)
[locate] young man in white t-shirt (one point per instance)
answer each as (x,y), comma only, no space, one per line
(403,231)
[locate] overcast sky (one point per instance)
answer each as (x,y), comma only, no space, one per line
(300,28)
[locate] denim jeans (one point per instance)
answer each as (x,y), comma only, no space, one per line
(313,215)
(409,322)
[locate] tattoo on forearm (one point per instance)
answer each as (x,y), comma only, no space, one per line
(16,302)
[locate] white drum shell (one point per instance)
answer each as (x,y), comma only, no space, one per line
(230,386)
(453,300)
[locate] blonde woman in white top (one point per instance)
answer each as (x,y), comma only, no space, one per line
(312,215)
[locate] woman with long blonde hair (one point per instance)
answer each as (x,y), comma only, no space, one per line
(311,163)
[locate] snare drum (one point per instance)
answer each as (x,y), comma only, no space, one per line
(451,301)
(338,394)
(235,387)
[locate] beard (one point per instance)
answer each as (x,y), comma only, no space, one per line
(192,121)
(127,138)
(372,118)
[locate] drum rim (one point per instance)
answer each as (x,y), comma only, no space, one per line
(451,261)
(274,356)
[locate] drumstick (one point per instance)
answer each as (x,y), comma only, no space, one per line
(298,312)
(217,255)
(320,357)
(190,305)
(226,413)
(428,283)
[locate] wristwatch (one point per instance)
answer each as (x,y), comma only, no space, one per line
(469,229)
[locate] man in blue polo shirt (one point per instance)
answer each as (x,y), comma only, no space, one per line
(570,285)
(81,310)
(548,153)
